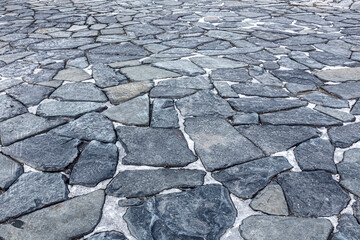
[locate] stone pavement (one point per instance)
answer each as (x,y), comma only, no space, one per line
(180,119)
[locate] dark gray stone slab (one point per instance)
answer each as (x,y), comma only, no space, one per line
(246,179)
(316,154)
(297,76)
(140,183)
(23,126)
(105,76)
(345,136)
(356,108)
(10,108)
(28,94)
(298,88)
(255,89)
(96,163)
(79,91)
(245,118)
(225,90)
(60,43)
(301,40)
(146,73)
(17,69)
(9,171)
(124,92)
(300,116)
(348,228)
(276,227)
(232,75)
(198,82)
(180,215)
(68,109)
(133,112)
(330,59)
(272,139)
(81,214)
(348,90)
(325,100)
(270,200)
(164,114)
(340,115)
(264,104)
(188,42)
(155,147)
(216,62)
(143,29)
(30,192)
(183,67)
(216,139)
(109,235)
(349,170)
(356,208)
(204,103)
(302,58)
(313,194)
(121,50)
(46,152)
(170,92)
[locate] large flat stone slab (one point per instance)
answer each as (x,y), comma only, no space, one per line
(218,144)
(275,228)
(349,170)
(183,67)
(146,73)
(68,109)
(272,139)
(183,215)
(140,183)
(348,90)
(30,192)
(155,147)
(246,179)
(48,152)
(60,43)
(340,74)
(79,91)
(124,92)
(29,94)
(345,136)
(81,215)
(72,75)
(10,171)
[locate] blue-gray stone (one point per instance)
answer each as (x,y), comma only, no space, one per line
(10,108)
(10,171)
(345,136)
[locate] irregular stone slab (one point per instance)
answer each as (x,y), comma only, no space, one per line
(301,40)
(198,82)
(170,92)
(68,109)
(72,75)
(96,163)
(60,43)
(245,118)
(232,75)
(325,100)
(81,214)
(272,139)
(356,108)
(8,83)
(30,192)
(9,171)
(179,215)
(23,126)
(204,103)
(109,235)
(164,114)
(17,69)
(339,74)
(216,139)
(270,200)
(121,50)
(188,42)
(297,76)
(348,90)
(300,116)
(315,154)
(246,179)
(313,194)
(140,183)
(79,91)
(127,202)
(340,115)
(225,90)
(264,104)
(28,94)
(132,112)
(331,59)
(276,227)
(216,62)
(124,92)
(345,136)
(348,228)
(145,73)
(349,170)
(302,58)
(105,76)
(356,208)
(143,29)
(46,152)
(155,147)
(91,126)
(255,89)
(10,108)
(183,67)
(225,35)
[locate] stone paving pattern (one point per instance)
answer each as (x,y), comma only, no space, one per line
(180,119)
